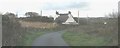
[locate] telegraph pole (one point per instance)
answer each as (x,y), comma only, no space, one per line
(41,13)
(78,16)
(118,12)
(87,18)
(113,12)
(16,15)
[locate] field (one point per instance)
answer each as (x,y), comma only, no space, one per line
(90,32)
(31,24)
(93,34)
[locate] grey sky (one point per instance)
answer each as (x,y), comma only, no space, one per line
(64,6)
(93,8)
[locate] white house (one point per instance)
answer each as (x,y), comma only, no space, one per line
(65,18)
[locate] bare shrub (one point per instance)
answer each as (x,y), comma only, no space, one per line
(12,31)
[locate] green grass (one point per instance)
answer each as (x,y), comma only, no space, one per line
(83,39)
(93,34)
(30,37)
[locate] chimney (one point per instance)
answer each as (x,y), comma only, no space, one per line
(57,13)
(69,12)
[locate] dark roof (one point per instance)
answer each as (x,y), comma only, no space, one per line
(65,14)
(62,17)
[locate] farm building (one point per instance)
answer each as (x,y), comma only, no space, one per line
(65,18)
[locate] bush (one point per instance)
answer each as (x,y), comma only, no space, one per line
(38,19)
(11,30)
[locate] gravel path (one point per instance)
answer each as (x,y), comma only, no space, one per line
(50,39)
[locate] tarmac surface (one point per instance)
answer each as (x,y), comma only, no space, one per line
(50,39)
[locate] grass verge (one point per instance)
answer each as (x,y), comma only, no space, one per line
(30,38)
(83,39)
(92,35)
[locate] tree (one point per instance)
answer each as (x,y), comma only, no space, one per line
(112,15)
(10,15)
(31,14)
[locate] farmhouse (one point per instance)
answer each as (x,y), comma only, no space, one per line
(65,18)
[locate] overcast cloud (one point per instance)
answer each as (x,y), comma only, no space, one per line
(64,6)
(93,8)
